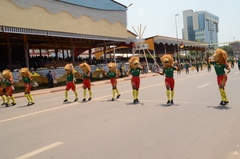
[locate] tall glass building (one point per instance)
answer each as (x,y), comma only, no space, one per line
(200,26)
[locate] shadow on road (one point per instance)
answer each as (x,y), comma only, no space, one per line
(220,107)
(109,100)
(168,105)
(135,104)
(24,106)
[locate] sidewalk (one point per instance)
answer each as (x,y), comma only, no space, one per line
(62,88)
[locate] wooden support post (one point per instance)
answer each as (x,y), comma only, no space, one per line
(40,51)
(165,48)
(72,51)
(90,55)
(26,51)
(63,54)
(9,53)
(56,54)
(104,50)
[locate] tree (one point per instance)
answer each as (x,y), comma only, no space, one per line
(228,49)
(193,53)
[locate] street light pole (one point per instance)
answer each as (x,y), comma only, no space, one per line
(177,36)
(234,51)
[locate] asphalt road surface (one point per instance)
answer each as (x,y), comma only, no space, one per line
(195,127)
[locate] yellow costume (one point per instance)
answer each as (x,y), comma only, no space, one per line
(2,93)
(86,80)
(70,84)
(112,74)
(220,64)
(135,71)
(26,78)
(8,81)
(168,71)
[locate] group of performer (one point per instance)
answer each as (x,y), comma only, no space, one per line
(71,74)
(219,62)
(7,93)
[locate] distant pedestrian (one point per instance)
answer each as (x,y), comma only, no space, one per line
(197,65)
(232,63)
(187,67)
(238,63)
(54,75)
(209,66)
(50,80)
(121,71)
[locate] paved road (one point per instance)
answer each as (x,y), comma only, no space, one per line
(196,127)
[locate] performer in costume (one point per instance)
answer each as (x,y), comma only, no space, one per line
(2,94)
(8,80)
(135,70)
(70,84)
(86,80)
(26,78)
(168,70)
(220,64)
(187,65)
(197,65)
(112,74)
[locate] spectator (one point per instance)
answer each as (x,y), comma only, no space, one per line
(54,75)
(121,71)
(50,80)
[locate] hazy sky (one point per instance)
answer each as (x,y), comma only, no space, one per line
(159,16)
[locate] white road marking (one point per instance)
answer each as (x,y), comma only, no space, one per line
(236,72)
(38,112)
(33,153)
(234,155)
(149,86)
(205,85)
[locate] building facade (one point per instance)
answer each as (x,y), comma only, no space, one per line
(58,25)
(201,26)
(236,48)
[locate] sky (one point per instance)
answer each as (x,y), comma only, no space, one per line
(158,16)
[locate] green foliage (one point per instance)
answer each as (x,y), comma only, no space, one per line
(193,53)
(228,49)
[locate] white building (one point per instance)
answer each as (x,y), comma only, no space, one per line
(200,26)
